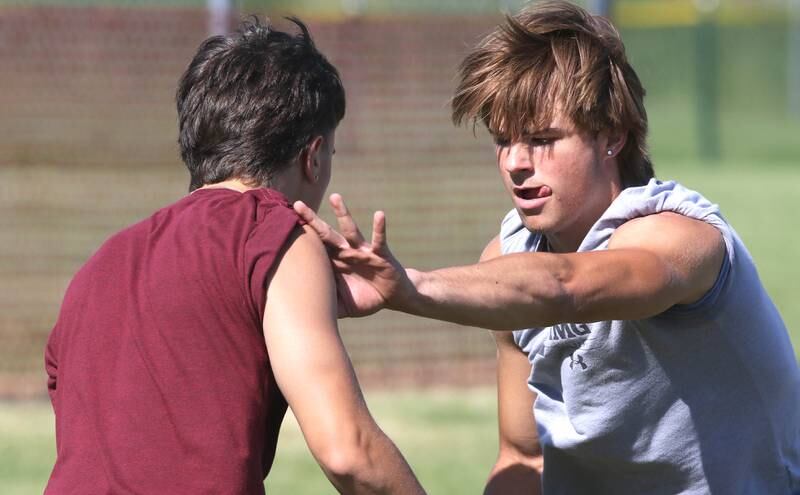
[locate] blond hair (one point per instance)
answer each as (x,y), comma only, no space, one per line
(555,57)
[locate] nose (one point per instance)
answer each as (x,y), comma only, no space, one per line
(516,158)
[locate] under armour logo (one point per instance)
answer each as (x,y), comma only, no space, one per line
(576,358)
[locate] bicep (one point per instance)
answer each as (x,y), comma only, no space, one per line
(306,353)
(651,264)
(690,252)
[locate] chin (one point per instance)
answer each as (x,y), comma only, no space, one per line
(534,228)
(534,224)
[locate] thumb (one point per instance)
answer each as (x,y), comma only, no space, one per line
(344,299)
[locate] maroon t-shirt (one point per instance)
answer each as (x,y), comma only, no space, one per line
(158,371)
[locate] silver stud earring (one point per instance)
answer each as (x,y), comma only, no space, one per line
(609,152)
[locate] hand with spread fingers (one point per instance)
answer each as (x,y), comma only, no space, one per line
(368,276)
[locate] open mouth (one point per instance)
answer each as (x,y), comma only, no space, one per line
(528,193)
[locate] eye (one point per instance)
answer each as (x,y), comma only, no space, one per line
(501,142)
(544,141)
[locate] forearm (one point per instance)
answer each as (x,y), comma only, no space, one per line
(519,461)
(506,293)
(527,290)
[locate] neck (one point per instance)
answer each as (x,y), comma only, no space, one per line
(233,184)
(564,244)
(569,240)
(288,183)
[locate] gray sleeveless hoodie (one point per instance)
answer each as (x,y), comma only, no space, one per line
(703,398)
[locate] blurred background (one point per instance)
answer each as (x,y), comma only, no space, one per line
(88,145)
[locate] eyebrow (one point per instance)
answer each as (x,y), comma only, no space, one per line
(548,130)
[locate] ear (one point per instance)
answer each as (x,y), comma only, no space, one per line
(309,159)
(615,142)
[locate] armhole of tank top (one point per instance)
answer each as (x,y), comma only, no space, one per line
(261,223)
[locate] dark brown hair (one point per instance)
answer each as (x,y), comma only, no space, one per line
(250,102)
(556,57)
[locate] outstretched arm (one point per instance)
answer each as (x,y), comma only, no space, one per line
(315,375)
(652,263)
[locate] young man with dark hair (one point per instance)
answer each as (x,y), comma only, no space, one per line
(629,309)
(159,375)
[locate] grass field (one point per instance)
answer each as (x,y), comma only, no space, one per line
(448,437)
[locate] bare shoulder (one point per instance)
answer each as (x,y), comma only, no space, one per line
(693,249)
(492,250)
(305,249)
(306,238)
(304,266)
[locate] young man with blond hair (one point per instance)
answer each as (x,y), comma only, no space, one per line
(629,315)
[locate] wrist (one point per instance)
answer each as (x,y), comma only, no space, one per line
(407,298)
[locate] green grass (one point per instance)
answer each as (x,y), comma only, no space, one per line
(448,437)
(755,124)
(27,446)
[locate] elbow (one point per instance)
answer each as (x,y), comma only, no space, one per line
(348,458)
(557,300)
(343,468)
(573,292)
(344,463)
(533,464)
(515,474)
(548,303)
(562,304)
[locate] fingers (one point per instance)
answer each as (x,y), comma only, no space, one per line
(378,231)
(329,236)
(350,236)
(306,213)
(347,225)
